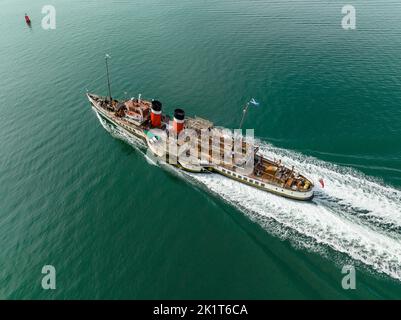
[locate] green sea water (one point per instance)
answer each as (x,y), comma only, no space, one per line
(116,226)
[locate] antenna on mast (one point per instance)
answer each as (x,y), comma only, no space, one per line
(106,57)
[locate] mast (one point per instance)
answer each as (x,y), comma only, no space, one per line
(243,114)
(108,77)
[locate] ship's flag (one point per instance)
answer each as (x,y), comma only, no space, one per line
(254,102)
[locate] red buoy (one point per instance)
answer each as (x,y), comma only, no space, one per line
(27,19)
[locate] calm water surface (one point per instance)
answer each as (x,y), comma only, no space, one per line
(116,226)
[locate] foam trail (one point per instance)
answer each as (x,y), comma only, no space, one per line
(316,222)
